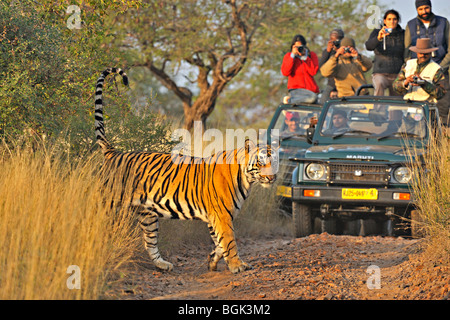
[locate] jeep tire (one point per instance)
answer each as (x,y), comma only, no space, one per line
(302,218)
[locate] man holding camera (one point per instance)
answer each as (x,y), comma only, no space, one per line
(437,28)
(421,79)
(334,42)
(347,67)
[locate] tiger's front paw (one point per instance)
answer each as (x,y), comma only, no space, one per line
(238,266)
(163,265)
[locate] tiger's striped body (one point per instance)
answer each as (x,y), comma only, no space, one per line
(174,186)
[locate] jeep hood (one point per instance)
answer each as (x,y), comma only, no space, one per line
(359,152)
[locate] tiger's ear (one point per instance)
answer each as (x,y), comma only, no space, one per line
(249,145)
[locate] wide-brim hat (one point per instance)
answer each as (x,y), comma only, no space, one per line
(423,46)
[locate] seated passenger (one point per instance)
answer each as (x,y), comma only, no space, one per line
(395,121)
(339,123)
(414,124)
(292,121)
(411,123)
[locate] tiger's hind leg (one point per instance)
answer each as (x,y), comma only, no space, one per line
(217,253)
(150,225)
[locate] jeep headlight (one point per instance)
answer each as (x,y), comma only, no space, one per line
(403,174)
(315,171)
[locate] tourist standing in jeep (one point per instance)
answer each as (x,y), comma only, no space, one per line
(347,67)
(334,42)
(437,28)
(429,25)
(300,65)
(388,43)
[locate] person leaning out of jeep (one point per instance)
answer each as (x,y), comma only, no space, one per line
(421,79)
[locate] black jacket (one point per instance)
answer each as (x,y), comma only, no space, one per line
(391,59)
(324,58)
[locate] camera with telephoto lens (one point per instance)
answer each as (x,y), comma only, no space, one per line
(301,49)
(417,80)
(348,50)
(337,43)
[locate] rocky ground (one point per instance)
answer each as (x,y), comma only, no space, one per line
(319,267)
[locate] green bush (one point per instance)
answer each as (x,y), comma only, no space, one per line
(47,82)
(32,68)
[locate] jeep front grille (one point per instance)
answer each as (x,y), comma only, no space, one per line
(358,173)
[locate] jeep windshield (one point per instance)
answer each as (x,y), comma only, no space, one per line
(376,120)
(292,123)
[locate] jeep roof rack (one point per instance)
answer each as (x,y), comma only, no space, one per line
(376,98)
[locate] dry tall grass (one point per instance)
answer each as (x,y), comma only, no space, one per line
(53,216)
(432,190)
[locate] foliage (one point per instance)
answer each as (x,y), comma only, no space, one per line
(30,73)
(210,36)
(48,73)
(196,48)
(137,128)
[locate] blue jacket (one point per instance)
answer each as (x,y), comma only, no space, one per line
(436,32)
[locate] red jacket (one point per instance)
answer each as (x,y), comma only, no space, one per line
(301,73)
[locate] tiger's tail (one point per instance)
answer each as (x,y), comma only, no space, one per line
(99,123)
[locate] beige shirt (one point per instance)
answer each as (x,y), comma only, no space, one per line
(417,93)
(347,72)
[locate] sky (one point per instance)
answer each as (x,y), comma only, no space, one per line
(407,8)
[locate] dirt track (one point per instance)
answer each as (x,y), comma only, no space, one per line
(320,266)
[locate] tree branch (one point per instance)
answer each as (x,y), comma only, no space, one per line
(183,93)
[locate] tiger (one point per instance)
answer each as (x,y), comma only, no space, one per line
(176,186)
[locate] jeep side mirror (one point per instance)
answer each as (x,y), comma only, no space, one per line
(310,131)
(310,134)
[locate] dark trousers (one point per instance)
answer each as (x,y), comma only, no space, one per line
(444,103)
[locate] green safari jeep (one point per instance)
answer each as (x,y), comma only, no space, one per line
(290,122)
(354,177)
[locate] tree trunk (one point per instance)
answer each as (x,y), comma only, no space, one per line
(203,105)
(211,62)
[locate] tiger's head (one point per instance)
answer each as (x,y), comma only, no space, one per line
(261,163)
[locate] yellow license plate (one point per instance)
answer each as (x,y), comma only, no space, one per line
(360,194)
(284,191)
